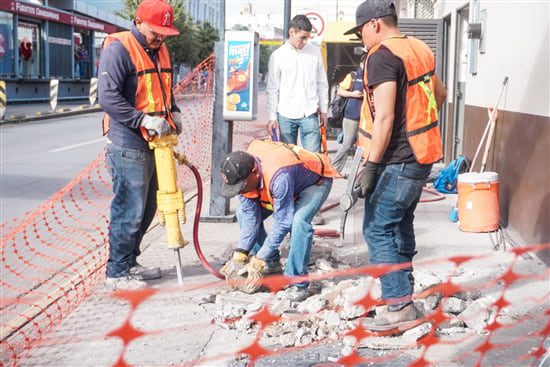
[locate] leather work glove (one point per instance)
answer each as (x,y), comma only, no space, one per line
(254,270)
(367,181)
(176,117)
(156,125)
(231,268)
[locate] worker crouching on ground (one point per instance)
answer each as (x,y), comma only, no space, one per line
(400,136)
(288,182)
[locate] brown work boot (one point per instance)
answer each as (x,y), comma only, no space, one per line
(231,268)
(406,318)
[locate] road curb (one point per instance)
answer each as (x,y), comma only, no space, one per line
(44,115)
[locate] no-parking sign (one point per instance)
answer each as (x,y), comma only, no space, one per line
(317,20)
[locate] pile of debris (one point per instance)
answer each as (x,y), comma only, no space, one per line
(331,311)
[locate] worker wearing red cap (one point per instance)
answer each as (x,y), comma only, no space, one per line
(135,91)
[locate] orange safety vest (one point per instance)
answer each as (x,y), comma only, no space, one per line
(421,107)
(276,155)
(154,82)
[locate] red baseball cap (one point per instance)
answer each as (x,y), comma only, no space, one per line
(159,16)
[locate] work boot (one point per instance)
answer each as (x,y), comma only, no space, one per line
(231,268)
(402,320)
(141,272)
(318,219)
(273,267)
(126,282)
(296,293)
(254,272)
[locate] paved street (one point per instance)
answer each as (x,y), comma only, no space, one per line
(39,158)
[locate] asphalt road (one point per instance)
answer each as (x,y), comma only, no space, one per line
(39,158)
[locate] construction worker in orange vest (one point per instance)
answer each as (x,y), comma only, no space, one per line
(288,182)
(135,91)
(399,132)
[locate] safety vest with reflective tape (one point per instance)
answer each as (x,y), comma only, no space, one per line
(276,155)
(421,107)
(154,82)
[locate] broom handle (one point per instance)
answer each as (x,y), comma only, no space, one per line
(489,142)
(491,117)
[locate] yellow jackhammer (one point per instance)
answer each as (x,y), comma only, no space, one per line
(170,203)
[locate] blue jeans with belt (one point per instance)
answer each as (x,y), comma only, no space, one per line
(133,207)
(310,135)
(388,225)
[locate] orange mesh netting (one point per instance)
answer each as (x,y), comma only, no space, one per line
(54,257)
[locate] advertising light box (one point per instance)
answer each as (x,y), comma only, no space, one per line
(240,82)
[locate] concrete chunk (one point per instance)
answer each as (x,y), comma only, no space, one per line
(453,305)
(405,341)
(478,314)
(331,318)
(312,305)
(280,306)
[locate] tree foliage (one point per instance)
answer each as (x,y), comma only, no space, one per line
(195,41)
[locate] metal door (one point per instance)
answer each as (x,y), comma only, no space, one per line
(461,72)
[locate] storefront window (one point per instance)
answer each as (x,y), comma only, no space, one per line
(82,54)
(7,54)
(29,49)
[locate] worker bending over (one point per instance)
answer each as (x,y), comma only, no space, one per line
(288,182)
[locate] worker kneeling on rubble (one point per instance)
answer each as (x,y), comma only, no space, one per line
(288,182)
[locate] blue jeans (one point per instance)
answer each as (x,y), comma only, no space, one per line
(308,203)
(388,225)
(310,136)
(133,207)
(83,69)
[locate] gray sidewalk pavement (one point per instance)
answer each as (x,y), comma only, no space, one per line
(184,326)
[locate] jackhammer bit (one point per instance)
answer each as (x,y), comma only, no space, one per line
(348,200)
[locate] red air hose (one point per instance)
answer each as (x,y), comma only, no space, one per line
(436,195)
(196,244)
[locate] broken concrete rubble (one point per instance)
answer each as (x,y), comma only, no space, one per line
(331,311)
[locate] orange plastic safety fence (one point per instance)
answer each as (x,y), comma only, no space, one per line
(497,342)
(54,256)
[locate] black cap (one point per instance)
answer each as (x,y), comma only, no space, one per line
(371,9)
(235,169)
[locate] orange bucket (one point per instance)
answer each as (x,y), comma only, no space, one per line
(478,209)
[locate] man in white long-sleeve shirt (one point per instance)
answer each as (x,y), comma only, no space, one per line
(297,88)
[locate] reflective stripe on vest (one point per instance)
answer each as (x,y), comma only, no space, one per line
(154,82)
(421,107)
(276,155)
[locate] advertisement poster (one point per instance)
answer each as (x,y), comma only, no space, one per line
(237,85)
(6,50)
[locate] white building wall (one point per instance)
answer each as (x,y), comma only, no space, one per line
(517,45)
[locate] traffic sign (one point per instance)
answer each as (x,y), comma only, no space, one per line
(317,22)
